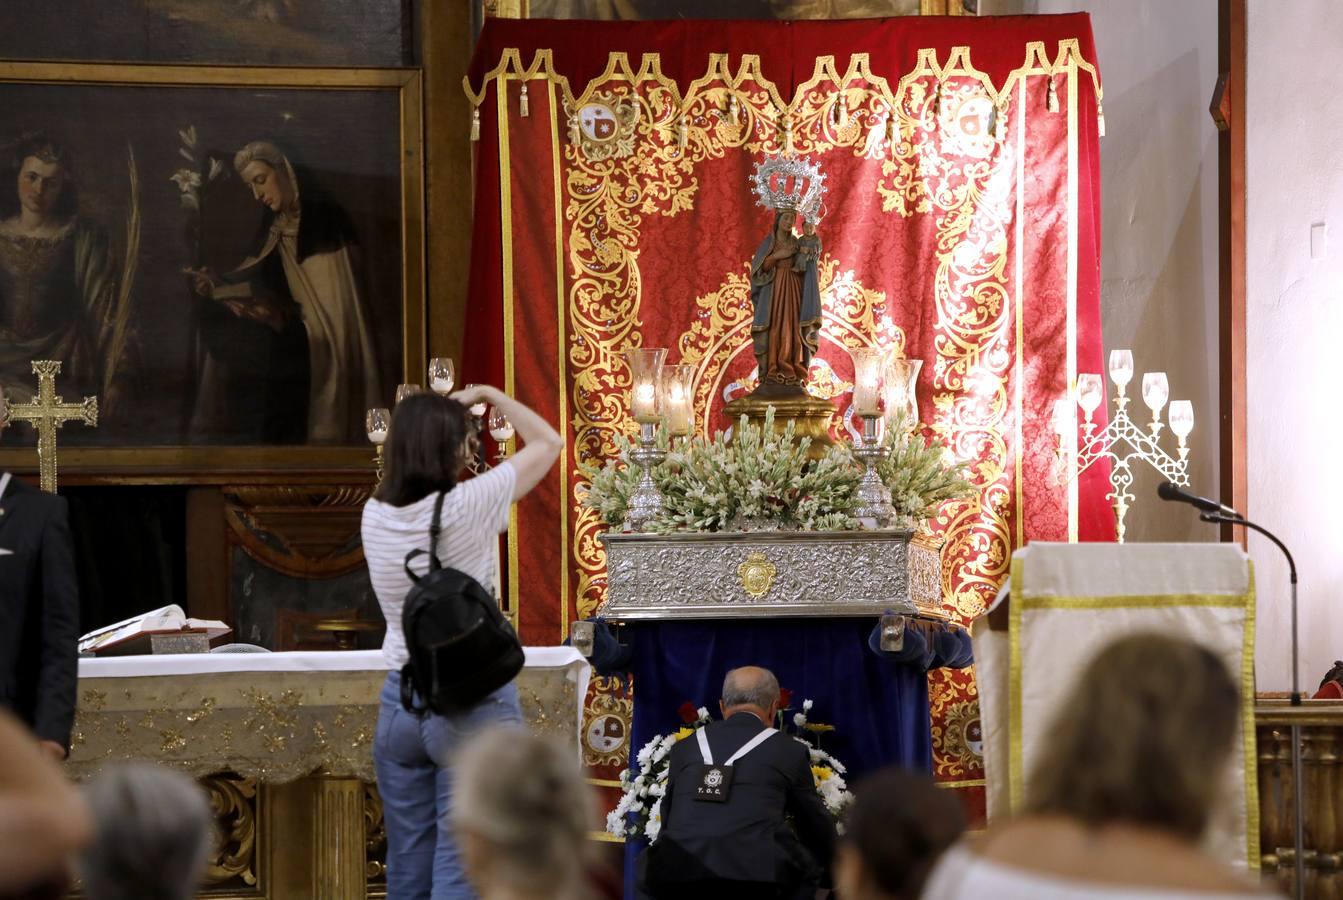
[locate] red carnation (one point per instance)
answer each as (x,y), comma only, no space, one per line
(687,712)
(785,698)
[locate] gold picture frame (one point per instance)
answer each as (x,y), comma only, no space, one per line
(207,463)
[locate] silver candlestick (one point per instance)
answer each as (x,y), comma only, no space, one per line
(874,498)
(646,501)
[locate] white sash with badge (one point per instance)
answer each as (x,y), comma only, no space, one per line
(715,782)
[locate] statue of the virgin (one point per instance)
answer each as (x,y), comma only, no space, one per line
(786,300)
(785,292)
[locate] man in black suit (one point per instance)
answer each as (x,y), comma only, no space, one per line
(39,611)
(725,829)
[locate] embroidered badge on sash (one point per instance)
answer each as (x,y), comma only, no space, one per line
(715,784)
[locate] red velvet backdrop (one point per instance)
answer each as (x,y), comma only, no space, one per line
(963,227)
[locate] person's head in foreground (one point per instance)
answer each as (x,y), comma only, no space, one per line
(1125,787)
(895,830)
(1143,740)
(521,812)
(750,689)
(153,834)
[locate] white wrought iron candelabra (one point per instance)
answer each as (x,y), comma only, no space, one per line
(1123,441)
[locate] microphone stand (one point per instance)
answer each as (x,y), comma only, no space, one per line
(1299,837)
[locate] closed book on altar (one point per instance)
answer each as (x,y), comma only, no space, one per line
(132,636)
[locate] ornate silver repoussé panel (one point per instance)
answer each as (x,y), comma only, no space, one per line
(754,574)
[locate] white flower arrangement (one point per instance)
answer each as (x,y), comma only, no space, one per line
(760,479)
(755,479)
(919,474)
(638,814)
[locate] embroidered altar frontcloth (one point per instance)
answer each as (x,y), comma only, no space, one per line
(273,716)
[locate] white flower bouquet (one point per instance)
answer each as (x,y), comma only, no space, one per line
(762,480)
(638,814)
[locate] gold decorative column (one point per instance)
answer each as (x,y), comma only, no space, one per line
(325,851)
(339,838)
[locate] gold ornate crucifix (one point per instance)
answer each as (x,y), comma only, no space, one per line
(47,412)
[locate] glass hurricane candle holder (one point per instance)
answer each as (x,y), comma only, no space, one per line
(1064,419)
(377,422)
(1181,415)
(645,372)
(501,430)
(1155,393)
(478,408)
(901,391)
(442,375)
(677,396)
(405,390)
(1121,368)
(868,365)
(1090,394)
(645,504)
(1122,441)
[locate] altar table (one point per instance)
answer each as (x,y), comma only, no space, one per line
(283,744)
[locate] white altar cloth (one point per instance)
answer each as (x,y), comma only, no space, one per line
(290,661)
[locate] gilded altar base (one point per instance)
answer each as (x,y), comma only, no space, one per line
(286,757)
(811,416)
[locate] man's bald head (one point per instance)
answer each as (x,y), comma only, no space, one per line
(752,689)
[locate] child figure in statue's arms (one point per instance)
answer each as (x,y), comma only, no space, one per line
(808,247)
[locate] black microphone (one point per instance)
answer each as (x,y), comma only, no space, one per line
(1168,490)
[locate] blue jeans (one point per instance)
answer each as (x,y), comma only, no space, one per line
(412,755)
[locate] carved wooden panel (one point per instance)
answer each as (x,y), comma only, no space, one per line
(309,531)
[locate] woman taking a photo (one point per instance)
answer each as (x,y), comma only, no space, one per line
(431,441)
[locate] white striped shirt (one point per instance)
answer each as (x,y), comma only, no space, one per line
(475,512)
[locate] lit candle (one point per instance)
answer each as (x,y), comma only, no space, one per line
(1065,420)
(1155,392)
(477,409)
(867,366)
(1090,392)
(645,400)
(645,373)
(376,424)
(1181,418)
(442,375)
(677,390)
(1121,367)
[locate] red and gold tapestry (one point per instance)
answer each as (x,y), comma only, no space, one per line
(961,224)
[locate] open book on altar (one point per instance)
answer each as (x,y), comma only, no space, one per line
(132,635)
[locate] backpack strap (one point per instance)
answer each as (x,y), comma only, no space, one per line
(408,690)
(435,529)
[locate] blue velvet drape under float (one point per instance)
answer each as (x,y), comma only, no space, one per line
(879,708)
(878,702)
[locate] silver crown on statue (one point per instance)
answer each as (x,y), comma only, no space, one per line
(789,182)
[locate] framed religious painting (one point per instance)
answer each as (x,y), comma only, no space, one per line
(229,259)
(236,32)
(644,10)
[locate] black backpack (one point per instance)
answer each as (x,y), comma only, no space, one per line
(461,647)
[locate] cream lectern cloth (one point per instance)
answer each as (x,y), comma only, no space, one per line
(1070,600)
